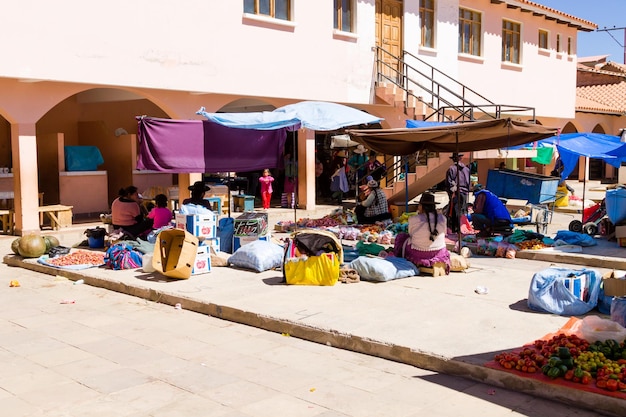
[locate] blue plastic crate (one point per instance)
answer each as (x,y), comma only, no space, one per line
(534,188)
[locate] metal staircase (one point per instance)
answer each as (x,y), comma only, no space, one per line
(423,92)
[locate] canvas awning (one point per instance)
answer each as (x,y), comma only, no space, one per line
(314,115)
(460,137)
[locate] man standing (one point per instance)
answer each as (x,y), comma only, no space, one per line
(457,187)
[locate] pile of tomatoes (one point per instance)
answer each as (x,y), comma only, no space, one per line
(583,364)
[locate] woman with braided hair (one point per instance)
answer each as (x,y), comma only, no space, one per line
(425,244)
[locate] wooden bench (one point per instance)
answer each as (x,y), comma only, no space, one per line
(60,215)
(6,217)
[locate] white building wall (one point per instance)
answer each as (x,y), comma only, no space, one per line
(544,80)
(194,45)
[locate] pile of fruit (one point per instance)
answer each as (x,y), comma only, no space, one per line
(80,257)
(573,359)
(532,244)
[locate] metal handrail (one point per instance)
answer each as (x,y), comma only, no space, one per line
(455,103)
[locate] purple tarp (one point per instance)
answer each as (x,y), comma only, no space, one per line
(199,146)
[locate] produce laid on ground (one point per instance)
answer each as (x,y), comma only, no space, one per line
(33,246)
(80,257)
(601,364)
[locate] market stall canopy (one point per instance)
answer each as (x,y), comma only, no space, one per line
(314,115)
(458,137)
(191,146)
(591,145)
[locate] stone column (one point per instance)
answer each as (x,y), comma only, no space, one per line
(25,178)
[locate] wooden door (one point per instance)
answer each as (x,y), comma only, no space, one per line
(389,36)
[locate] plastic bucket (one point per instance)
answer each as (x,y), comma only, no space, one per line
(96,242)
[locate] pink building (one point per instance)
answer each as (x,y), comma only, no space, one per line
(77,75)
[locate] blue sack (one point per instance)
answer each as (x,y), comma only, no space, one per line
(618,310)
(604,302)
(563,291)
(225,231)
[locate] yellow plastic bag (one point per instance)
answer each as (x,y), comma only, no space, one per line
(315,270)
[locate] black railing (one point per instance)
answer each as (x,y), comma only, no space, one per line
(447,98)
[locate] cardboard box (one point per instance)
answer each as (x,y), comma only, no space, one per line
(399,210)
(614,286)
(202,264)
(174,253)
(213,242)
(239,241)
(251,224)
(620,231)
(200,225)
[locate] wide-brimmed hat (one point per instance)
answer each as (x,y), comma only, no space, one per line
(199,186)
(427,199)
(372,183)
(456,155)
(341,154)
(360,149)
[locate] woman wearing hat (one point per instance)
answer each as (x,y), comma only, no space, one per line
(374,208)
(425,244)
(198,190)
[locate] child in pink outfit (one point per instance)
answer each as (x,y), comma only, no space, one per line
(161,215)
(266,188)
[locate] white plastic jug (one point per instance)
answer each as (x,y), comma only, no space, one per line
(146,263)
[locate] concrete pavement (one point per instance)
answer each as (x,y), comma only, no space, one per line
(438,324)
(111,354)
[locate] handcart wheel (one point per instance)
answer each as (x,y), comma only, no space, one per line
(591,229)
(575,226)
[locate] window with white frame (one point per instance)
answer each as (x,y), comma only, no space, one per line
(427,23)
(543,39)
(278,9)
(469,32)
(511,41)
(343,15)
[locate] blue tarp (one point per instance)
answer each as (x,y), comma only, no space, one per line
(420,123)
(314,115)
(591,145)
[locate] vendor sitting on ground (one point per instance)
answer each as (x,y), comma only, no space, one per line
(425,244)
(126,213)
(374,208)
(198,190)
(490,213)
(160,214)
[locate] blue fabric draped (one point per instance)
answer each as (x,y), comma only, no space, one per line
(314,115)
